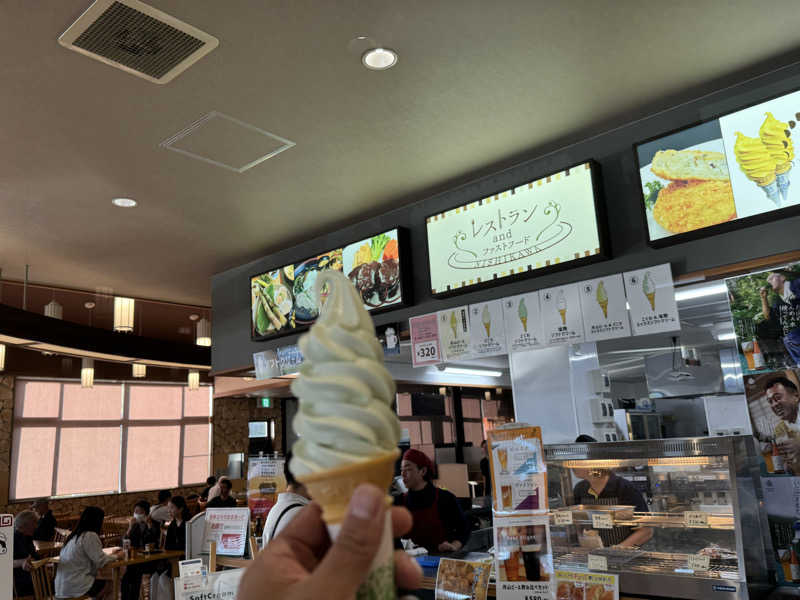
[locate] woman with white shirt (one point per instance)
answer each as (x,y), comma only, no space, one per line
(82,556)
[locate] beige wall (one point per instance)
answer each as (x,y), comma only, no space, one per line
(230,435)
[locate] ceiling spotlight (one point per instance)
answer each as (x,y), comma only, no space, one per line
(194,317)
(89,305)
(379,59)
(124,202)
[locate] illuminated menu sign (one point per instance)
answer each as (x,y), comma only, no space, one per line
(726,173)
(543,225)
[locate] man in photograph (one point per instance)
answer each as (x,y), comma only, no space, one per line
(784,400)
(785,310)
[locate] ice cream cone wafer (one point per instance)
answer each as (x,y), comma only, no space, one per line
(604,306)
(783,168)
(488,327)
(525,323)
(771,190)
(563,313)
(333,488)
(651,297)
(763,181)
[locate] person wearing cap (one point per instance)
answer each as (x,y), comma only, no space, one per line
(439,524)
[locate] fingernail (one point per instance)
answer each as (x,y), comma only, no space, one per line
(366,502)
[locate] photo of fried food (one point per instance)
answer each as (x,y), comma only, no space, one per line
(688,205)
(565,590)
(595,592)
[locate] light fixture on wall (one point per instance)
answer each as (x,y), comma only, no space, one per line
(443,391)
(139,370)
(472,372)
(123,314)
(2,357)
(87,372)
(203,337)
(53,310)
(487,395)
(194,379)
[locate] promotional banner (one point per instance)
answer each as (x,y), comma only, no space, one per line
(562,322)
(544,223)
(487,330)
(462,579)
(389,337)
(766,318)
(651,296)
(523,322)
(517,466)
(228,527)
(586,586)
(266,364)
(265,480)
(524,559)
(289,359)
(454,332)
(425,349)
(6,557)
(221,585)
(604,309)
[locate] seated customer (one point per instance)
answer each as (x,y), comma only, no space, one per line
(439,524)
(160,512)
(224,499)
(142,530)
(288,505)
(176,532)
(46,527)
(81,557)
(24,552)
(210,483)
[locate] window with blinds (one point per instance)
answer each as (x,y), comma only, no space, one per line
(114,437)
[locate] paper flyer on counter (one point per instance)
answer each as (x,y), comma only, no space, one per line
(586,586)
(487,330)
(651,296)
(454,332)
(523,557)
(604,308)
(221,585)
(228,527)
(519,482)
(523,322)
(425,348)
(265,480)
(462,579)
(561,315)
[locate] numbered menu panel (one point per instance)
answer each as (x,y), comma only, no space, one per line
(523,322)
(454,332)
(487,330)
(425,348)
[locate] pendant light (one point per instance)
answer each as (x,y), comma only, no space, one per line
(2,357)
(203,337)
(194,379)
(123,314)
(53,310)
(139,370)
(87,372)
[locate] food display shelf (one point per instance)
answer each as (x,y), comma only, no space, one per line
(647,562)
(668,520)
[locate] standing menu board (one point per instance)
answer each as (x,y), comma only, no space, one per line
(265,480)
(519,482)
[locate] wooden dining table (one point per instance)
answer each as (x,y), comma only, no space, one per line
(116,569)
(45,549)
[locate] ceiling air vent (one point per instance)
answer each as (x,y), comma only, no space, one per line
(137,38)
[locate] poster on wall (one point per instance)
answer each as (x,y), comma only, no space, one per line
(462,579)
(651,296)
(782,504)
(766,318)
(562,322)
(6,556)
(425,348)
(523,322)
(454,333)
(389,337)
(604,308)
(550,223)
(373,265)
(229,528)
(487,330)
(265,480)
(524,558)
(518,471)
(577,585)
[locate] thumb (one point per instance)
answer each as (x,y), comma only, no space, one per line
(347,562)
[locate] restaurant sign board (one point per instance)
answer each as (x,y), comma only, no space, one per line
(552,223)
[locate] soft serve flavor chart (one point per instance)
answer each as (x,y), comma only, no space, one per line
(523,322)
(603,306)
(454,332)
(561,315)
(651,296)
(487,330)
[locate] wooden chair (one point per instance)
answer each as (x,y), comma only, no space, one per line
(43,574)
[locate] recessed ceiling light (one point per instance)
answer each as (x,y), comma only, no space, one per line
(89,305)
(124,202)
(194,317)
(379,59)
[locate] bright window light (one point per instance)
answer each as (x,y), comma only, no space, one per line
(473,372)
(714,289)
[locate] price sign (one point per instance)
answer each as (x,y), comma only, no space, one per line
(602,521)
(598,563)
(425,341)
(698,562)
(696,519)
(563,517)
(427,351)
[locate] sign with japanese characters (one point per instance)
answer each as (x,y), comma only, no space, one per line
(228,527)
(523,557)
(425,347)
(265,480)
(561,315)
(543,224)
(651,296)
(604,308)
(588,586)
(487,330)
(523,322)
(454,334)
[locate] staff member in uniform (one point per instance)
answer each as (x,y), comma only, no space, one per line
(604,487)
(439,524)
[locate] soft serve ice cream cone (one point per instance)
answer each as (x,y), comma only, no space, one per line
(522,311)
(602,298)
(348,430)
(757,163)
(649,289)
(775,135)
(454,324)
(561,304)
(486,319)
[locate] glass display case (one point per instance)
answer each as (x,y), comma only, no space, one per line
(677,518)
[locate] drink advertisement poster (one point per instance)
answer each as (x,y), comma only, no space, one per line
(523,322)
(462,579)
(519,481)
(524,558)
(425,347)
(766,318)
(651,295)
(487,330)
(229,528)
(454,332)
(586,586)
(604,308)
(561,315)
(265,480)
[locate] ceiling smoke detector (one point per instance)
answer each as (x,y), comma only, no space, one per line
(137,38)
